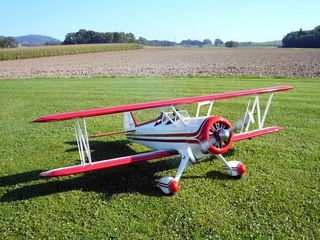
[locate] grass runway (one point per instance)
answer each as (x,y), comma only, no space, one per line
(277,198)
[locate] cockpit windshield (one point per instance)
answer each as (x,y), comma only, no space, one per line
(174,116)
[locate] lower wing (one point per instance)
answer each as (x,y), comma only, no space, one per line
(139,157)
(255,133)
(106,163)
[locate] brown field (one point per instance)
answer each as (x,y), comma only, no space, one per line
(155,62)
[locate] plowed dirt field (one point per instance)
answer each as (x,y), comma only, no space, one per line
(155,62)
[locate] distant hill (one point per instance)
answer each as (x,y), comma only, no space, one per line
(36,40)
(274,43)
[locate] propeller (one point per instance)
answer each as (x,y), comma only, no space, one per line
(218,139)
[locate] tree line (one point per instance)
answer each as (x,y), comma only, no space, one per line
(298,39)
(84,36)
(302,39)
(89,37)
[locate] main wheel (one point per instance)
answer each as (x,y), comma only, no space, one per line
(168,185)
(238,168)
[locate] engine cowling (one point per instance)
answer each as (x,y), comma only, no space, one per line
(215,136)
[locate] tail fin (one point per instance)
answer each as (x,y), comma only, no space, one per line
(129,121)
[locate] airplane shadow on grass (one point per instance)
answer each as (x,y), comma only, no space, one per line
(137,177)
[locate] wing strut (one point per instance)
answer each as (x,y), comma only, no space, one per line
(249,115)
(82,140)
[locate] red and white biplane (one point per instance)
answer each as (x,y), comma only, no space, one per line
(174,132)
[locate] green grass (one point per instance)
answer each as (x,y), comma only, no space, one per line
(278,197)
(49,51)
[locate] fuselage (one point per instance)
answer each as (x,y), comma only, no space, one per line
(170,134)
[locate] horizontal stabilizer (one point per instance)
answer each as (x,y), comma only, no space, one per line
(106,163)
(255,133)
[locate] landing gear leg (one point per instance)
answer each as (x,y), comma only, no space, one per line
(233,168)
(169,185)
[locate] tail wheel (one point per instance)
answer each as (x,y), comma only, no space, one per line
(215,132)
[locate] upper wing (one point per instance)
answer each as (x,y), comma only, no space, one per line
(163,103)
(106,163)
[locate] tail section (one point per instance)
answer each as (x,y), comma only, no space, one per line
(129,122)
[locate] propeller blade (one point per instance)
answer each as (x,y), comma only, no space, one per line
(237,125)
(205,145)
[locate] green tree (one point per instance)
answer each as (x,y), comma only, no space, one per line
(8,42)
(190,42)
(70,39)
(91,36)
(116,37)
(81,36)
(130,38)
(98,38)
(232,44)
(218,42)
(108,37)
(302,39)
(142,41)
(122,37)
(87,37)
(207,42)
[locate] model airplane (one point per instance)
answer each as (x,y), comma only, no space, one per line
(173,132)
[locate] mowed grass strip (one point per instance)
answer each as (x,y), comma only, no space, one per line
(277,198)
(48,51)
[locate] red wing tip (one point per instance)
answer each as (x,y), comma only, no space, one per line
(43,174)
(47,174)
(51,118)
(41,119)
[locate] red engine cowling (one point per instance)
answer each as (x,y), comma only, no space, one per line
(215,135)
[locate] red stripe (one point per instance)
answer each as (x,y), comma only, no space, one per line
(162,140)
(111,133)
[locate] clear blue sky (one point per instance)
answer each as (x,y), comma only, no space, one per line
(247,20)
